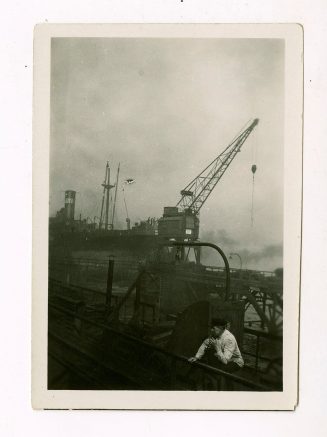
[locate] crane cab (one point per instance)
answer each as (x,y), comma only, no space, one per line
(178,225)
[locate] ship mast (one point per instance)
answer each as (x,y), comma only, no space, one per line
(106,192)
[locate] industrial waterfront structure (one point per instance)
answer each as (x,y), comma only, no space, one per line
(136,295)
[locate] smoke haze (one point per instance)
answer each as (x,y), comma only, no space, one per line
(165,108)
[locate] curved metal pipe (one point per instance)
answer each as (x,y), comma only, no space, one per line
(213,246)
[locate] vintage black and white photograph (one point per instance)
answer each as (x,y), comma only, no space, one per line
(166,250)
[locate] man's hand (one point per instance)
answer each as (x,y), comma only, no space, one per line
(192,359)
(210,342)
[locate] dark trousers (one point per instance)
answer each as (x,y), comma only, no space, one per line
(230,367)
(226,384)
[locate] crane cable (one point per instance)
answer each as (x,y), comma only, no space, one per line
(253,169)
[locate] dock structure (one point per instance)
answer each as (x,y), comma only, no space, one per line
(106,313)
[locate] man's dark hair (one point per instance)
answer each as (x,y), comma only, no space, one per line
(219,322)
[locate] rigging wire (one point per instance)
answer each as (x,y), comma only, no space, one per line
(125,203)
(114,206)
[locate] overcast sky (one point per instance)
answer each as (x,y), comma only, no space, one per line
(164,109)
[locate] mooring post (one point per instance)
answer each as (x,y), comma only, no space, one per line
(137,301)
(109,281)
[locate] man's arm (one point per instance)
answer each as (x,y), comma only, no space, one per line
(226,355)
(204,346)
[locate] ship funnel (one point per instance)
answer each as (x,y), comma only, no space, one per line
(70,205)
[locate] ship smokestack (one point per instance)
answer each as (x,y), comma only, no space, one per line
(128,222)
(70,205)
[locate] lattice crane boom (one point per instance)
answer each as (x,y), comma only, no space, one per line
(198,190)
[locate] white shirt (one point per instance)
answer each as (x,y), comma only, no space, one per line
(225,347)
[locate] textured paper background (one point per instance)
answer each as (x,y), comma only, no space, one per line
(17,416)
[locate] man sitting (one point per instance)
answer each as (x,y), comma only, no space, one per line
(223,344)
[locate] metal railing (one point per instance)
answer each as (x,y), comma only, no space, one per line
(178,372)
(129,305)
(259,357)
(122,307)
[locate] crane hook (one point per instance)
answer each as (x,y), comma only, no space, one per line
(253,169)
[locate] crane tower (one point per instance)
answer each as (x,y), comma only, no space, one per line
(181,222)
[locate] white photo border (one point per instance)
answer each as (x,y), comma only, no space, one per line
(159,400)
